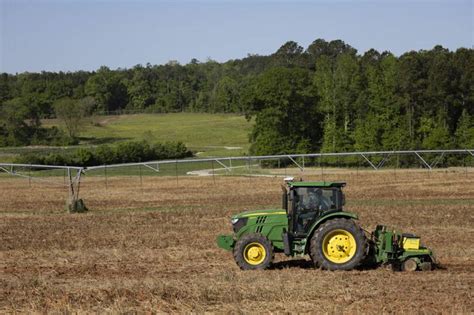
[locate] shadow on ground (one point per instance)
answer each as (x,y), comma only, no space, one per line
(308,264)
(295,263)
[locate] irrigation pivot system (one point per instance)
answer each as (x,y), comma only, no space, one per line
(385,155)
(71,174)
(429,159)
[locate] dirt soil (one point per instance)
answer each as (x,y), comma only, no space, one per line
(150,246)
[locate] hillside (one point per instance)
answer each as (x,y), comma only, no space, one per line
(206,134)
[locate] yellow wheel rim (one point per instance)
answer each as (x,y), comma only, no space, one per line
(254,253)
(339,246)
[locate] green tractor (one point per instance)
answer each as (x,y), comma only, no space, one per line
(313,221)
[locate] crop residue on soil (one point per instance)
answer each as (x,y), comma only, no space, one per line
(151,247)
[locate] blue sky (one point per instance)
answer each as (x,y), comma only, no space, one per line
(71,35)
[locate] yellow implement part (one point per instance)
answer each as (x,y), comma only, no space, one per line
(411,243)
(339,246)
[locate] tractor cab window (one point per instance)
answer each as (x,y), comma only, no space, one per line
(311,202)
(311,198)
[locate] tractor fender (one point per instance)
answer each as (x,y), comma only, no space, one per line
(330,216)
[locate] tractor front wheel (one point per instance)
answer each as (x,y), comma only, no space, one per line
(338,244)
(253,251)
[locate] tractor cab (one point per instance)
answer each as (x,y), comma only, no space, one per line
(306,202)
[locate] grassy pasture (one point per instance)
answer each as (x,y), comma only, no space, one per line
(205,134)
(149,245)
(211,134)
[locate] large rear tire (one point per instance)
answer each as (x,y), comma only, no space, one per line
(253,251)
(338,244)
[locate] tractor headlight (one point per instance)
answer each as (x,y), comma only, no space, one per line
(239,223)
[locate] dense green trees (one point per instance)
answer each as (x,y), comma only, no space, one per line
(20,125)
(108,89)
(325,97)
(464,137)
(287,119)
(17,123)
(337,82)
(124,152)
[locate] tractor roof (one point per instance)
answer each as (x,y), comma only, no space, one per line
(316,184)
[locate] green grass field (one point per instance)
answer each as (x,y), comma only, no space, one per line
(211,134)
(205,134)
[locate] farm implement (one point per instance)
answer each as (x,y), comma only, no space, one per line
(313,221)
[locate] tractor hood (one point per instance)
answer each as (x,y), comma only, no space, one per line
(255,213)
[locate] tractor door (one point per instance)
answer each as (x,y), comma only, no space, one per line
(309,203)
(288,235)
(290,211)
(297,197)
(302,214)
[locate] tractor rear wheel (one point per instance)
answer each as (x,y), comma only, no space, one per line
(253,251)
(338,244)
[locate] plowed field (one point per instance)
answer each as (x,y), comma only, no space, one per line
(150,246)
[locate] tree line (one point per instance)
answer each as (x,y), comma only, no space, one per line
(325,97)
(123,152)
